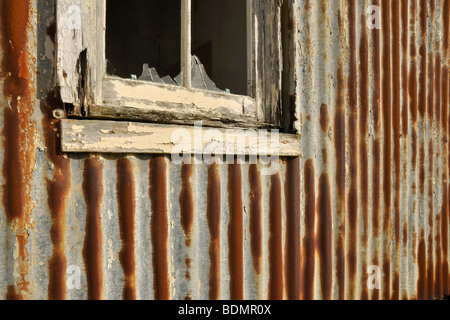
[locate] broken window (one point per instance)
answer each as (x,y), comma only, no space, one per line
(147,40)
(219,39)
(232,48)
(139,32)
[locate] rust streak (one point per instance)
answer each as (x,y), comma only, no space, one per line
(324,118)
(421,260)
(422,107)
(339,133)
(292,251)
(14,17)
(92,250)
(255,196)
(57,190)
(437,238)
(430,222)
(213,215)
(11,294)
(275,240)
(444,240)
(188,263)
(431,116)
(186,202)
(18,129)
(387,122)
(127,208)
(324,235)
(396,118)
(404,67)
(422,169)
(363,124)
(445,119)
(446,27)
(159,227)
(437,85)
(308,251)
(413,145)
(235,233)
(186,209)
(413,111)
(352,239)
(404,125)
(446,190)
(376,147)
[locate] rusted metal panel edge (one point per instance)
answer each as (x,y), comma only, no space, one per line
(100,136)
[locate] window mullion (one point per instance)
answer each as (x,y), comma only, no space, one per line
(251,35)
(186,43)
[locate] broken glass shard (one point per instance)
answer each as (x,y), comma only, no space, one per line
(200,78)
(150,74)
(168,80)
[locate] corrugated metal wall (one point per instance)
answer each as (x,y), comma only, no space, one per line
(370,188)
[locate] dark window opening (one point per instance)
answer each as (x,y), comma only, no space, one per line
(219,39)
(143,32)
(288,85)
(143,38)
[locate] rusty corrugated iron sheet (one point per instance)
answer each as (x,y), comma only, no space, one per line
(371,186)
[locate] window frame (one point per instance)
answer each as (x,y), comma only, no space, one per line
(89,93)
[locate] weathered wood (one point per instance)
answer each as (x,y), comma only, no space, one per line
(70,45)
(170,116)
(251,47)
(186,60)
(148,101)
(80,50)
(268,59)
(84,84)
(291,69)
(101,136)
(99,59)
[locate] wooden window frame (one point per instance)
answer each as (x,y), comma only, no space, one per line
(89,94)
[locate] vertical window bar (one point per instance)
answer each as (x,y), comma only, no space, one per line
(250,59)
(186,60)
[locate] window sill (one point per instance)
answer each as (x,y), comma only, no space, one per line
(126,99)
(101,136)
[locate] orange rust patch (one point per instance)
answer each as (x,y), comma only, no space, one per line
(292,248)
(57,190)
(324,235)
(235,232)
(308,250)
(213,215)
(159,227)
(324,118)
(186,202)
(275,241)
(352,200)
(92,249)
(19,129)
(255,196)
(127,207)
